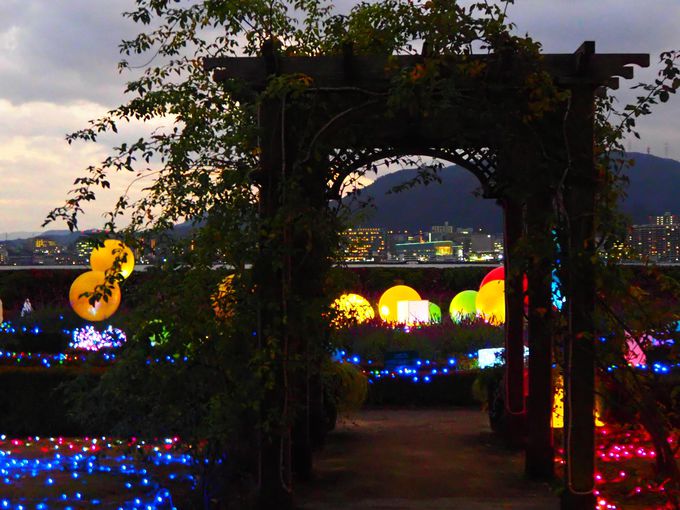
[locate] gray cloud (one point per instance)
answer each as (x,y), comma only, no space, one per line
(62,50)
(58,68)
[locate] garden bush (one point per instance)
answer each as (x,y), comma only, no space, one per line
(35,403)
(372,339)
(345,390)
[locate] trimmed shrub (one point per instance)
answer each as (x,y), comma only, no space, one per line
(346,386)
(34,400)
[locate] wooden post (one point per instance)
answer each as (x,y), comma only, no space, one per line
(514,325)
(312,250)
(274,456)
(539,451)
(580,187)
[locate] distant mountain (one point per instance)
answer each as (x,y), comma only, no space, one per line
(60,236)
(654,187)
(57,233)
(420,207)
(13,236)
(653,190)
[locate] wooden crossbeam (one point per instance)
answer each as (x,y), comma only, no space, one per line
(375,72)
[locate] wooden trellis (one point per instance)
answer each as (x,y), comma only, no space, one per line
(352,90)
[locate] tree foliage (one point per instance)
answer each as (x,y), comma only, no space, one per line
(204,164)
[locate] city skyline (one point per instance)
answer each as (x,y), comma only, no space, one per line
(58,69)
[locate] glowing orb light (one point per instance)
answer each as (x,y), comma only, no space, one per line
(634,354)
(104,257)
(557,419)
(352,307)
(463,305)
(558,299)
(490,303)
(497,273)
(159,334)
(435,313)
(89,339)
(223,300)
(101,310)
(387,306)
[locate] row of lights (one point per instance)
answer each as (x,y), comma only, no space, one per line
(80,464)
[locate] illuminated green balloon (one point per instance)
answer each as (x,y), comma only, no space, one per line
(463,305)
(435,313)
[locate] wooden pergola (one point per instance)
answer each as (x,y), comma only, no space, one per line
(349,94)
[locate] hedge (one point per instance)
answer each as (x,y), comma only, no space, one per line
(33,401)
(453,389)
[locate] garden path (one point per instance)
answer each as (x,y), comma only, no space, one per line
(426,459)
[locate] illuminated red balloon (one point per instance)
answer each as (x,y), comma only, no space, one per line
(498,273)
(495,274)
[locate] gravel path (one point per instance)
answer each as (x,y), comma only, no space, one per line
(421,460)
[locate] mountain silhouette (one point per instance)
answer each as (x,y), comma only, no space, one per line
(653,189)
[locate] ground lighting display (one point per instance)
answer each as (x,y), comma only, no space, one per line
(387,306)
(104,257)
(352,307)
(463,306)
(223,300)
(490,302)
(101,309)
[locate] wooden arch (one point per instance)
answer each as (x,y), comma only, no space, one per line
(352,90)
(481,163)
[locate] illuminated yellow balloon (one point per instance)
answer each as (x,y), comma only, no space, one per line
(387,306)
(223,300)
(101,259)
(490,302)
(101,310)
(352,307)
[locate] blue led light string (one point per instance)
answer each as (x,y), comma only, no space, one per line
(142,489)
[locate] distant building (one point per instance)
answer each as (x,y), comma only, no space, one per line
(665,219)
(429,251)
(442,232)
(365,244)
(45,251)
(4,255)
(481,242)
(442,229)
(463,236)
(485,247)
(659,240)
(82,250)
(394,237)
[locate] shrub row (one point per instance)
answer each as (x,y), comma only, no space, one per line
(453,389)
(34,403)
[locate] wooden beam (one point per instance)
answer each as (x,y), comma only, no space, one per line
(375,72)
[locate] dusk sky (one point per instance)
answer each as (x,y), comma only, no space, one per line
(58,70)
